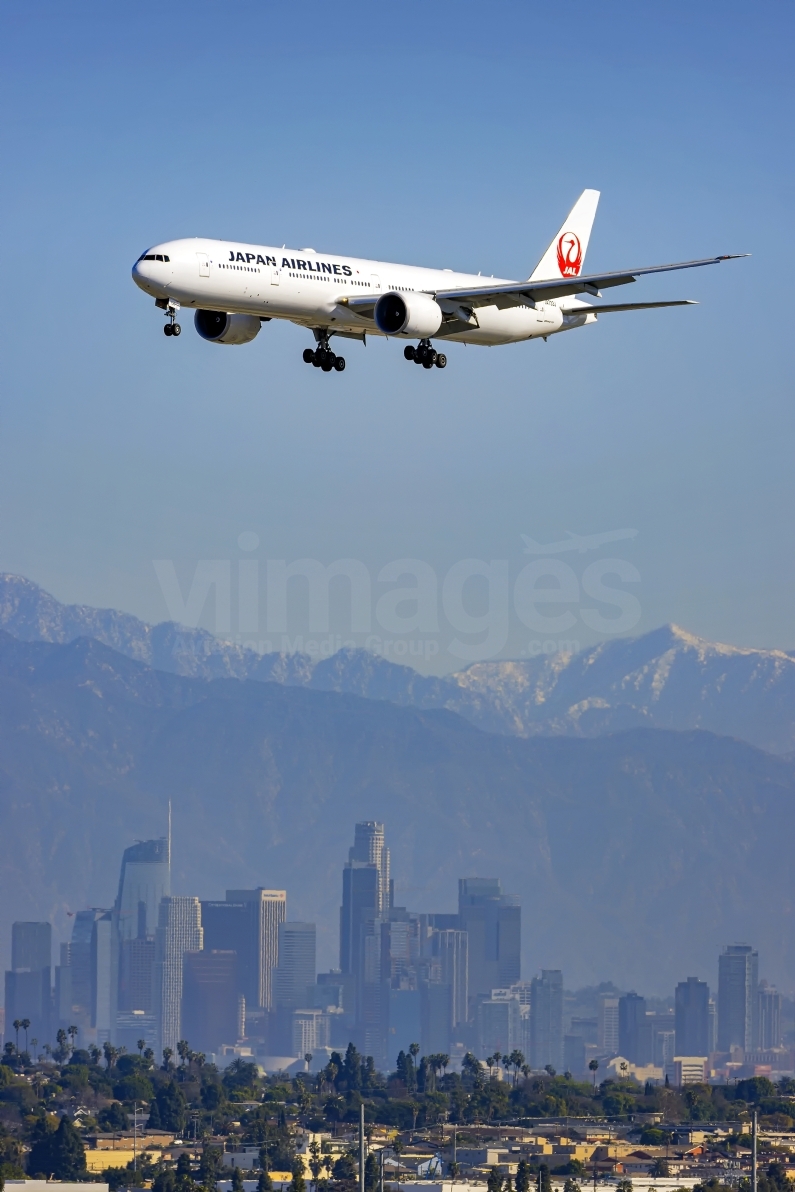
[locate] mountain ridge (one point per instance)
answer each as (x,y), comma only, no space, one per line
(667,678)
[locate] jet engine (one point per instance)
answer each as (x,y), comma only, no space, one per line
(408,314)
(220,328)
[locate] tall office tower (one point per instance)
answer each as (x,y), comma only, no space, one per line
(211,1005)
(738,982)
(233,927)
(493,922)
(179,930)
(80,969)
(769,1017)
(360,903)
(295,972)
(104,976)
(499,1023)
(268,909)
(607,1036)
(28,985)
(145,879)
(451,949)
(546,1020)
(692,1017)
(369,848)
(366,891)
(712,1036)
(634,1029)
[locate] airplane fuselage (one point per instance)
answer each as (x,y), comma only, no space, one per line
(313,290)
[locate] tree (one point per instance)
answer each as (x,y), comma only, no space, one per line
(594,1066)
(17,1027)
(544,1182)
(210,1166)
(371,1173)
(515,1061)
(315,1160)
(264,1183)
(523,1176)
(237,1179)
(660,1169)
(171,1106)
(624,1185)
(112,1118)
(57,1153)
(167,1054)
(494,1182)
(298,1183)
(184,1174)
(571,1185)
(344,1170)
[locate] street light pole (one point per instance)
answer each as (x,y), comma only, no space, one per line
(361,1148)
(135,1136)
(753,1158)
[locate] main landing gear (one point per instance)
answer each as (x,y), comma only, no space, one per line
(323,357)
(425,355)
(170,308)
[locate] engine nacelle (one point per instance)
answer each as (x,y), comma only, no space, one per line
(408,314)
(217,327)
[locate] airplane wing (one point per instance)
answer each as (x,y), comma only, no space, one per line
(364,307)
(608,308)
(528,292)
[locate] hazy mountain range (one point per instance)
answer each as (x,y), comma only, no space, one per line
(636,855)
(665,679)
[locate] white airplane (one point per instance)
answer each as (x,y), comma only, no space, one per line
(580,542)
(234,288)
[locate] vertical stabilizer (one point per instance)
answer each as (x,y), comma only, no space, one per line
(565,256)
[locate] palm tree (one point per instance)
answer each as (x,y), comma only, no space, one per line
(72,1033)
(594,1066)
(25,1024)
(141,1045)
(17,1027)
(624,1066)
(34,1044)
(308,1061)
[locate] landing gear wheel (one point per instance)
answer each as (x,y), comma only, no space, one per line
(339,363)
(168,329)
(408,351)
(309,356)
(441,360)
(419,356)
(316,359)
(176,329)
(328,361)
(427,362)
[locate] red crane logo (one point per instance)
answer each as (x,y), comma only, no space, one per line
(569,255)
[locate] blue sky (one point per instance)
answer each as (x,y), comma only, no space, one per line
(455,136)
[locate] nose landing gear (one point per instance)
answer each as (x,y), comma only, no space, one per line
(323,357)
(170,308)
(425,355)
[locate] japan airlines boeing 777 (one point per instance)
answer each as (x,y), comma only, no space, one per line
(234,288)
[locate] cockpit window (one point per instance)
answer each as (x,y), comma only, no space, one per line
(150,256)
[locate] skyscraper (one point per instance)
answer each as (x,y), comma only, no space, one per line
(492,921)
(212,1011)
(366,890)
(546,1020)
(178,931)
(145,879)
(692,1017)
(769,1018)
(451,948)
(268,909)
(369,848)
(607,1037)
(28,984)
(738,981)
(104,976)
(295,972)
(634,1030)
